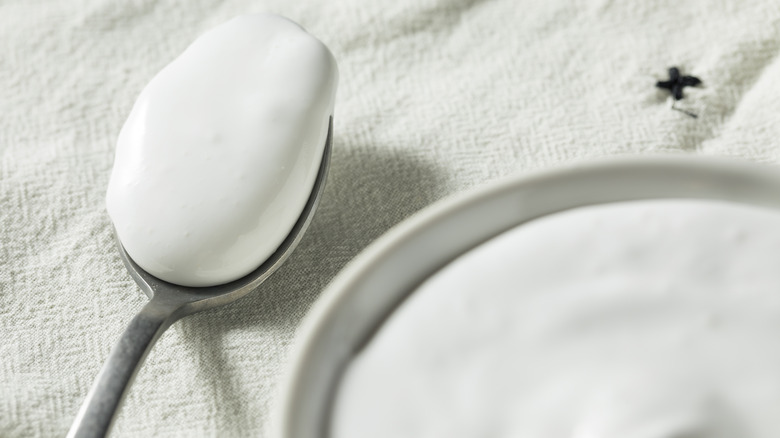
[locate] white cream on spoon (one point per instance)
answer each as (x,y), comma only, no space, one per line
(204,211)
(220,152)
(218,172)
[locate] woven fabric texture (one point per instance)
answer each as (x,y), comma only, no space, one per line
(435,97)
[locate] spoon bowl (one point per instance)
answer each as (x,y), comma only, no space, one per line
(168,303)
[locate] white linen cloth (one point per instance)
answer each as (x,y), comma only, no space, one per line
(435,97)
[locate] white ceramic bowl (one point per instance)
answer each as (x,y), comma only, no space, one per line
(369,289)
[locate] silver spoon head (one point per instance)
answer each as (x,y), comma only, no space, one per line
(195,299)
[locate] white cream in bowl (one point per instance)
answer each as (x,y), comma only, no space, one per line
(645,319)
(220,152)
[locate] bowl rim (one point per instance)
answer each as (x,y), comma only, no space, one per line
(754,183)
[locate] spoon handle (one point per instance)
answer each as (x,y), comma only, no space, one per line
(97,413)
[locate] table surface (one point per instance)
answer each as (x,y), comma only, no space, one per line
(435,97)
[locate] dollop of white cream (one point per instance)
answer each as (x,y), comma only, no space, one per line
(647,319)
(220,152)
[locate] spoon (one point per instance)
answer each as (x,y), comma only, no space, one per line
(167,304)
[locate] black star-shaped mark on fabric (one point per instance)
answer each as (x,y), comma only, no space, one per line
(675,85)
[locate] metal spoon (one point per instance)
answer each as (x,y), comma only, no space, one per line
(168,303)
